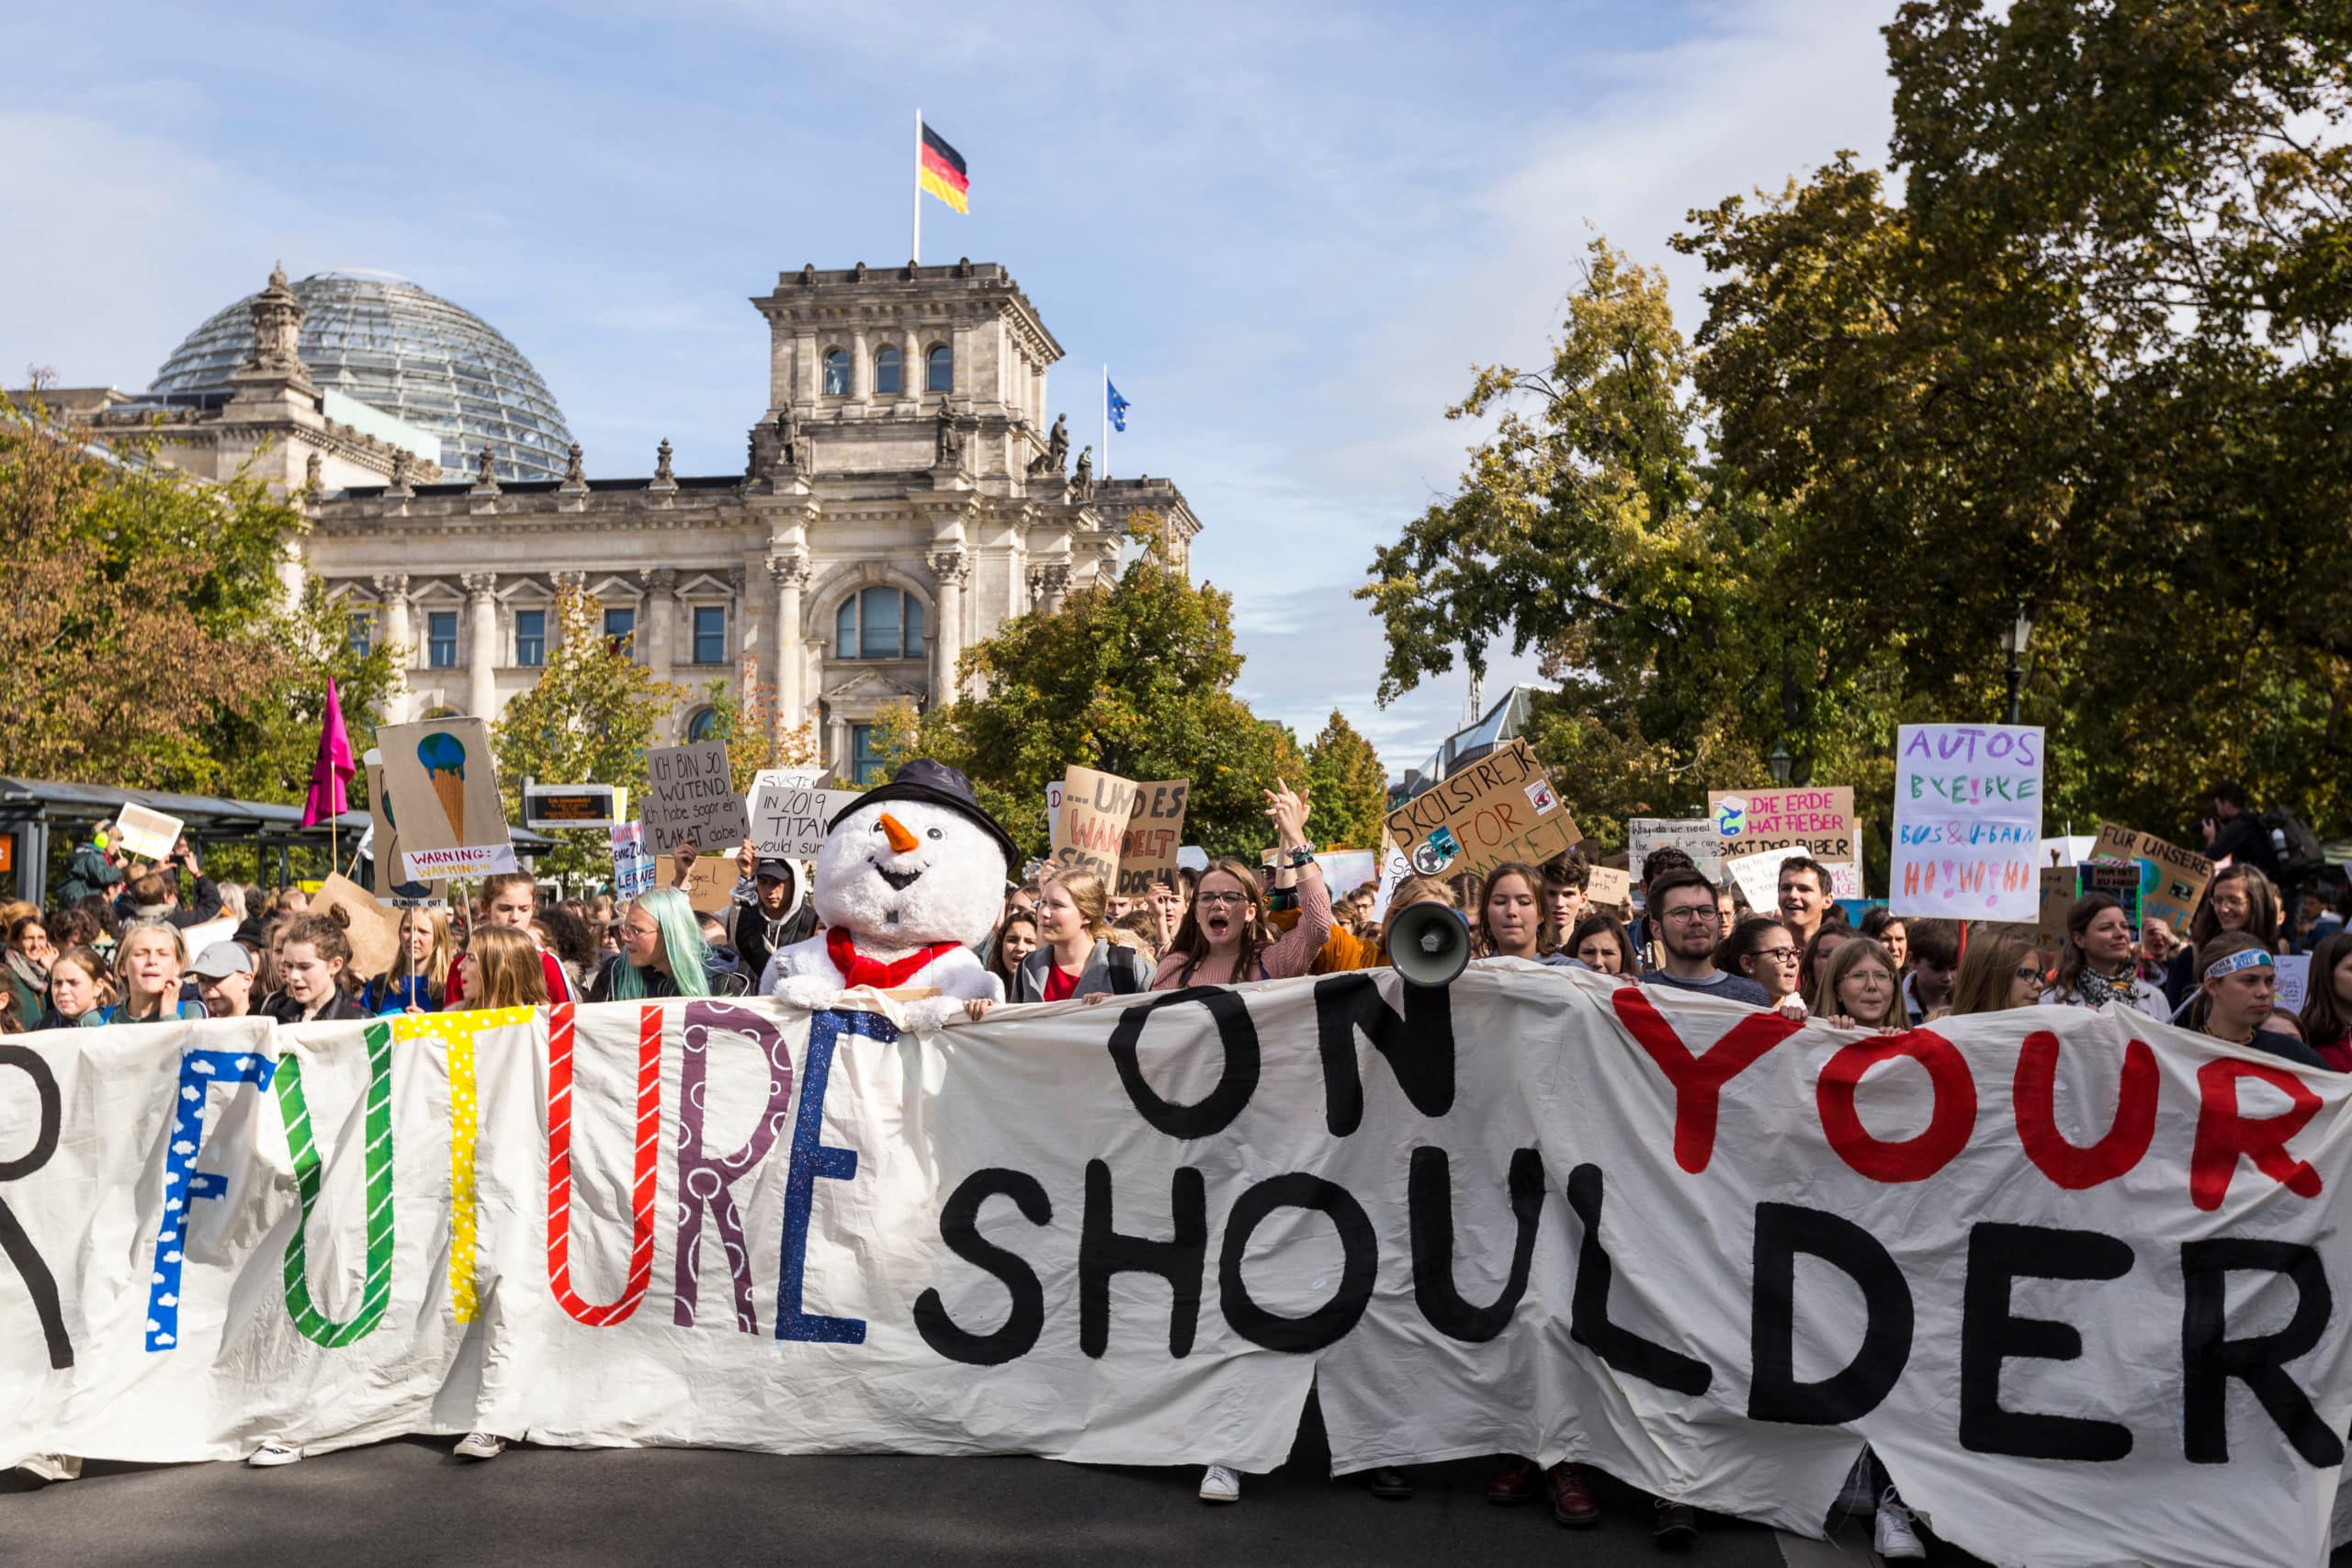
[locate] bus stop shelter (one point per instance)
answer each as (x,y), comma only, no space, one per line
(43,821)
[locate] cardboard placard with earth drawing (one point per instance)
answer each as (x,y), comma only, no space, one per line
(443,782)
(1498,808)
(393,884)
(2172,880)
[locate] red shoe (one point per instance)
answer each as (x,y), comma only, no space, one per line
(1572,1503)
(1514,1483)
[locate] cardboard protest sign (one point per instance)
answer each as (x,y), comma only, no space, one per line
(1344,870)
(1394,869)
(1694,836)
(691,795)
(1092,828)
(1758,877)
(375,932)
(633,868)
(805,778)
(1611,888)
(393,884)
(148,835)
(788,821)
(710,883)
(1967,821)
(1498,808)
(442,781)
(1155,832)
(1819,820)
(1054,811)
(2172,880)
(2294,972)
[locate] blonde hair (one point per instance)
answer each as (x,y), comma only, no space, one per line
(1088,897)
(131,933)
(438,961)
(1848,956)
(511,975)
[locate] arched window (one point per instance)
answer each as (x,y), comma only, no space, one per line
(889,378)
(878,623)
(939,369)
(699,727)
(837,373)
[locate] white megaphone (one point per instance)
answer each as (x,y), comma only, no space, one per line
(1429,943)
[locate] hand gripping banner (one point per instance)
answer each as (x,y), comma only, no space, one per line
(2071,1275)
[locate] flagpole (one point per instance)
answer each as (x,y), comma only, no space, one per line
(1106,422)
(915,256)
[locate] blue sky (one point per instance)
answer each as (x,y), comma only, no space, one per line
(1290,230)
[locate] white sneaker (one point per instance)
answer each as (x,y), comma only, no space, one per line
(1219,1483)
(1895,1537)
(53,1467)
(273,1453)
(480,1445)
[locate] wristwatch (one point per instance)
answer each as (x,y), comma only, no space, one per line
(1301,856)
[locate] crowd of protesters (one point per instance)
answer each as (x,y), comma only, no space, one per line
(114,951)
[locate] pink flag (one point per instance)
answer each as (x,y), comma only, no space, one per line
(334,770)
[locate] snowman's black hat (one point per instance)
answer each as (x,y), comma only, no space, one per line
(939,785)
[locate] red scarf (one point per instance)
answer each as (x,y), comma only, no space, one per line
(859,970)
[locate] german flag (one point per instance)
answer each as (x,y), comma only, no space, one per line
(942,170)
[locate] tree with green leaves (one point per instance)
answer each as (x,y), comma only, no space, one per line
(587,719)
(1133,678)
(1350,788)
(2087,365)
(749,725)
(145,635)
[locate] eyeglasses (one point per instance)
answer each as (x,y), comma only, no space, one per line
(2027,972)
(1214,899)
(1695,915)
(1776,954)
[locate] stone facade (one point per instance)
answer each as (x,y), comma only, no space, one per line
(904,468)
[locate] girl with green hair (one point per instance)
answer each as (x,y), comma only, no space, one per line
(662,953)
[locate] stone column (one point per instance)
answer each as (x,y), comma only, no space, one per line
(913,382)
(661,630)
(790,571)
(807,371)
(401,634)
(481,682)
(1047,585)
(949,567)
(861,369)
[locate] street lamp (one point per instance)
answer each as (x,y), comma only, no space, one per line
(1781,763)
(2013,643)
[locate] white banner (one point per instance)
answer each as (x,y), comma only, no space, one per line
(2068,1272)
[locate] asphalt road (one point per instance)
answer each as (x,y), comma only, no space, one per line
(408,1502)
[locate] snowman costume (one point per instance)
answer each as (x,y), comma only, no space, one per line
(910,875)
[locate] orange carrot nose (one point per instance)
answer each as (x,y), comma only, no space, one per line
(892,828)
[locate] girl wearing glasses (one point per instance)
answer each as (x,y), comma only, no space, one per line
(1998,973)
(1225,938)
(1764,949)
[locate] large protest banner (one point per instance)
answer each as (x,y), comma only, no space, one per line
(1967,822)
(1498,808)
(442,781)
(2068,1274)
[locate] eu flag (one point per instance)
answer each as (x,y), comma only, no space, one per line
(1115,405)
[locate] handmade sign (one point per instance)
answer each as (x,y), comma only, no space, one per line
(1611,888)
(788,821)
(805,778)
(1394,869)
(150,835)
(1820,818)
(1498,808)
(710,883)
(1694,836)
(442,781)
(375,932)
(1967,822)
(1155,832)
(394,887)
(1096,810)
(2172,880)
(690,794)
(551,807)
(1758,877)
(633,867)
(1733,1249)
(1053,810)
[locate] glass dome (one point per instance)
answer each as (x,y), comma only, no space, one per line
(381,339)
